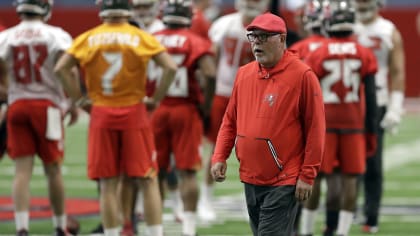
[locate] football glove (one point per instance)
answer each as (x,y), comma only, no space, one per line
(371,144)
(394,112)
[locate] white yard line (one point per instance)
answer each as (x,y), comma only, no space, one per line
(401,154)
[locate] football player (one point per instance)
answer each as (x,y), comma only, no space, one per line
(382,36)
(346,72)
(28,52)
(145,14)
(114,56)
(313,16)
(315,12)
(177,124)
(228,35)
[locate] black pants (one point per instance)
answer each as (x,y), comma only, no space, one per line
(373,178)
(271,209)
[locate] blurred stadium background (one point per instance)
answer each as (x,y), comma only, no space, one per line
(401,211)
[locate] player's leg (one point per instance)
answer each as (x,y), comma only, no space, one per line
(139,162)
(126,191)
(189,193)
(20,191)
(139,205)
(206,210)
(187,133)
(172,187)
(373,183)
(56,195)
(50,149)
(309,209)
(21,149)
(99,229)
(103,152)
(109,203)
(152,205)
(332,203)
(352,154)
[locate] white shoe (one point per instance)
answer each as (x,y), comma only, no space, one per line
(178,211)
(206,211)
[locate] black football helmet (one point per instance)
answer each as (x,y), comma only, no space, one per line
(312,14)
(177,12)
(340,16)
(39,7)
(114,8)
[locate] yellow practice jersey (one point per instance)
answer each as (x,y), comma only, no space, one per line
(114,59)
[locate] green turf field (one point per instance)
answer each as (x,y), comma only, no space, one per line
(401,212)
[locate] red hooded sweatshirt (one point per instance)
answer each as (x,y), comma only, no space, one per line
(276,121)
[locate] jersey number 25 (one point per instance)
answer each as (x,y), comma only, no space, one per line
(346,70)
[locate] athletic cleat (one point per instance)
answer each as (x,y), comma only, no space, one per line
(328,232)
(61,232)
(22,232)
(368,229)
(178,216)
(127,230)
(206,211)
(98,230)
(178,211)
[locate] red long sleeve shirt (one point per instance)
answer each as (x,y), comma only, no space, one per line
(276,121)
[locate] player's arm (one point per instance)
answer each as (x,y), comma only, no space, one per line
(169,67)
(397,63)
(65,71)
(207,66)
(397,74)
(3,81)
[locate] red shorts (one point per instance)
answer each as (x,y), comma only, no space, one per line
(178,129)
(346,151)
(27,128)
(218,109)
(120,144)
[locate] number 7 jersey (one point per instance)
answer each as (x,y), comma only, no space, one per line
(114,58)
(341,66)
(30,50)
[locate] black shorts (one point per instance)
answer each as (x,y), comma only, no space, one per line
(271,209)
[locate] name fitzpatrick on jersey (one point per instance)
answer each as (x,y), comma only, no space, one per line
(114,38)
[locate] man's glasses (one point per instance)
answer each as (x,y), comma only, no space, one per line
(252,37)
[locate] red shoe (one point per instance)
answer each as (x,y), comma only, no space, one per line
(368,229)
(127,230)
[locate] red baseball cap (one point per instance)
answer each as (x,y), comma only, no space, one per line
(268,22)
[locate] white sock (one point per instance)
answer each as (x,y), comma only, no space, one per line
(112,232)
(176,200)
(207,192)
(345,220)
(22,220)
(139,203)
(307,221)
(154,230)
(189,223)
(60,221)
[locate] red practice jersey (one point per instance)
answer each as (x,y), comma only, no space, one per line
(305,46)
(341,66)
(186,48)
